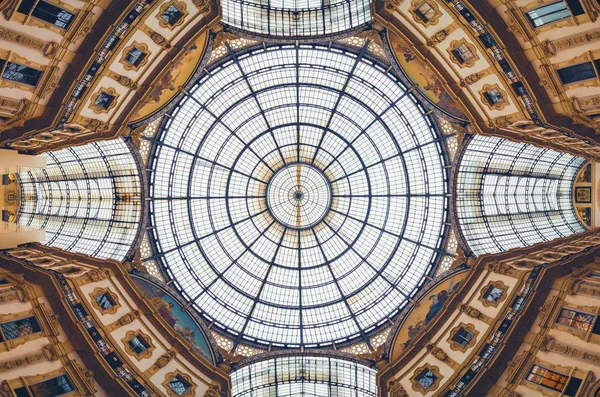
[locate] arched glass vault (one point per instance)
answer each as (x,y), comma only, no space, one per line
(304,376)
(296,18)
(88,199)
(298,196)
(512,194)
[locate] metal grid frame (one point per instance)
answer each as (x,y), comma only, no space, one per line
(88,199)
(511,194)
(296,18)
(294,70)
(304,376)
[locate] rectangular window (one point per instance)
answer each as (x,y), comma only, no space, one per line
(547,378)
(47,12)
(575,319)
(105,301)
(579,72)
(135,56)
(172,15)
(462,337)
(575,7)
(493,294)
(425,12)
(50,388)
(179,385)
(138,344)
(548,13)
(20,328)
(426,378)
(462,53)
(493,96)
(20,73)
(104,100)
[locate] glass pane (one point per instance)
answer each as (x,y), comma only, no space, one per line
(172,15)
(526,195)
(19,328)
(179,385)
(135,57)
(53,14)
(87,199)
(548,14)
(317,376)
(53,387)
(579,72)
(21,74)
(293,262)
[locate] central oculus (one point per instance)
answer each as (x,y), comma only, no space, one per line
(299,196)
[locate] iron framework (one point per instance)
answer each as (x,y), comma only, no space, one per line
(261,281)
(88,199)
(512,194)
(304,376)
(296,18)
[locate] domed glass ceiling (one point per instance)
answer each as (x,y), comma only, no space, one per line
(296,18)
(298,196)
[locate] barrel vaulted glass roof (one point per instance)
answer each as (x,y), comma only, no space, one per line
(296,17)
(514,195)
(298,196)
(87,199)
(304,376)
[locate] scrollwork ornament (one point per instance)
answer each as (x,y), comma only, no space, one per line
(396,389)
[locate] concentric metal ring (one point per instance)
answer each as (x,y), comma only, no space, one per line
(367,237)
(299,196)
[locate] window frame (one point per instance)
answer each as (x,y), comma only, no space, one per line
(531,20)
(29,19)
(67,378)
(497,284)
(189,391)
(181,6)
(20,338)
(418,386)
(107,91)
(455,45)
(147,340)
(142,47)
(559,316)
(419,17)
(486,98)
(467,327)
(98,292)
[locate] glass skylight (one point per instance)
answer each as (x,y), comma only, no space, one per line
(513,194)
(87,199)
(298,196)
(296,17)
(304,376)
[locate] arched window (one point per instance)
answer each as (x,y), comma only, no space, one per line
(296,18)
(512,195)
(87,199)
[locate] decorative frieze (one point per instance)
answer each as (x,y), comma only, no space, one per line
(554,46)
(396,389)
(440,36)
(160,363)
(552,345)
(475,77)
(476,314)
(442,356)
(588,104)
(45,47)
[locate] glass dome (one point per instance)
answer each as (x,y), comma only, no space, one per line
(296,18)
(304,376)
(298,196)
